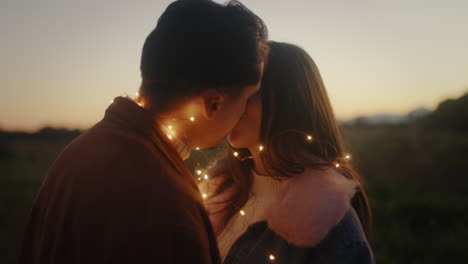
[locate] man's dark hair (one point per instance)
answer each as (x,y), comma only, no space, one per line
(199,44)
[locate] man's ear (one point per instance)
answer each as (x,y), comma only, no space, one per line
(211,100)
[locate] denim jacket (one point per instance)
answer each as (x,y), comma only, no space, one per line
(309,220)
(346,243)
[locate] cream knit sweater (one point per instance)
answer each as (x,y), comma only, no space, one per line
(264,188)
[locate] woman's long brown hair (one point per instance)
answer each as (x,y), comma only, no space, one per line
(295,105)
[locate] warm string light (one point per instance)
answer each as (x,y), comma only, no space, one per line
(170,135)
(205,177)
(236,154)
(199,173)
(308,137)
(271,257)
(347,157)
(170,132)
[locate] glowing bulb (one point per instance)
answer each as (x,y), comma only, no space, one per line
(169,136)
(197,148)
(272,257)
(199,172)
(192,118)
(242,212)
(199,178)
(337,165)
(170,127)
(204,196)
(236,154)
(348,156)
(205,177)
(309,138)
(260,147)
(136,94)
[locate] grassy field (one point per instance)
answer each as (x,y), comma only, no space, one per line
(417,183)
(416,178)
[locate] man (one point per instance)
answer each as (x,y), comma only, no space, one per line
(120,193)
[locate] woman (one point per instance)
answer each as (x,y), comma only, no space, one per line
(286,193)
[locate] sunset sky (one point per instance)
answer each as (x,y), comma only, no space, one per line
(62,61)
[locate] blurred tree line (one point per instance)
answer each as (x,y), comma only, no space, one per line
(417,178)
(415,172)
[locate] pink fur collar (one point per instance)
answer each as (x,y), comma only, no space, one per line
(305,209)
(309,206)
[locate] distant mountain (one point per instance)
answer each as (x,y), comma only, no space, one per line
(386,118)
(419,112)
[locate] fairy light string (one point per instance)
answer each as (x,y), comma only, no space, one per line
(201,174)
(171,134)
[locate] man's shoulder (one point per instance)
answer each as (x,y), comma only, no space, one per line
(105,145)
(103,158)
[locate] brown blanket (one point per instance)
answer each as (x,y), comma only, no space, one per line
(119,193)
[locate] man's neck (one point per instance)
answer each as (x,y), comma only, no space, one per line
(182,148)
(177,141)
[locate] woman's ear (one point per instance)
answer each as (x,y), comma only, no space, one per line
(211,101)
